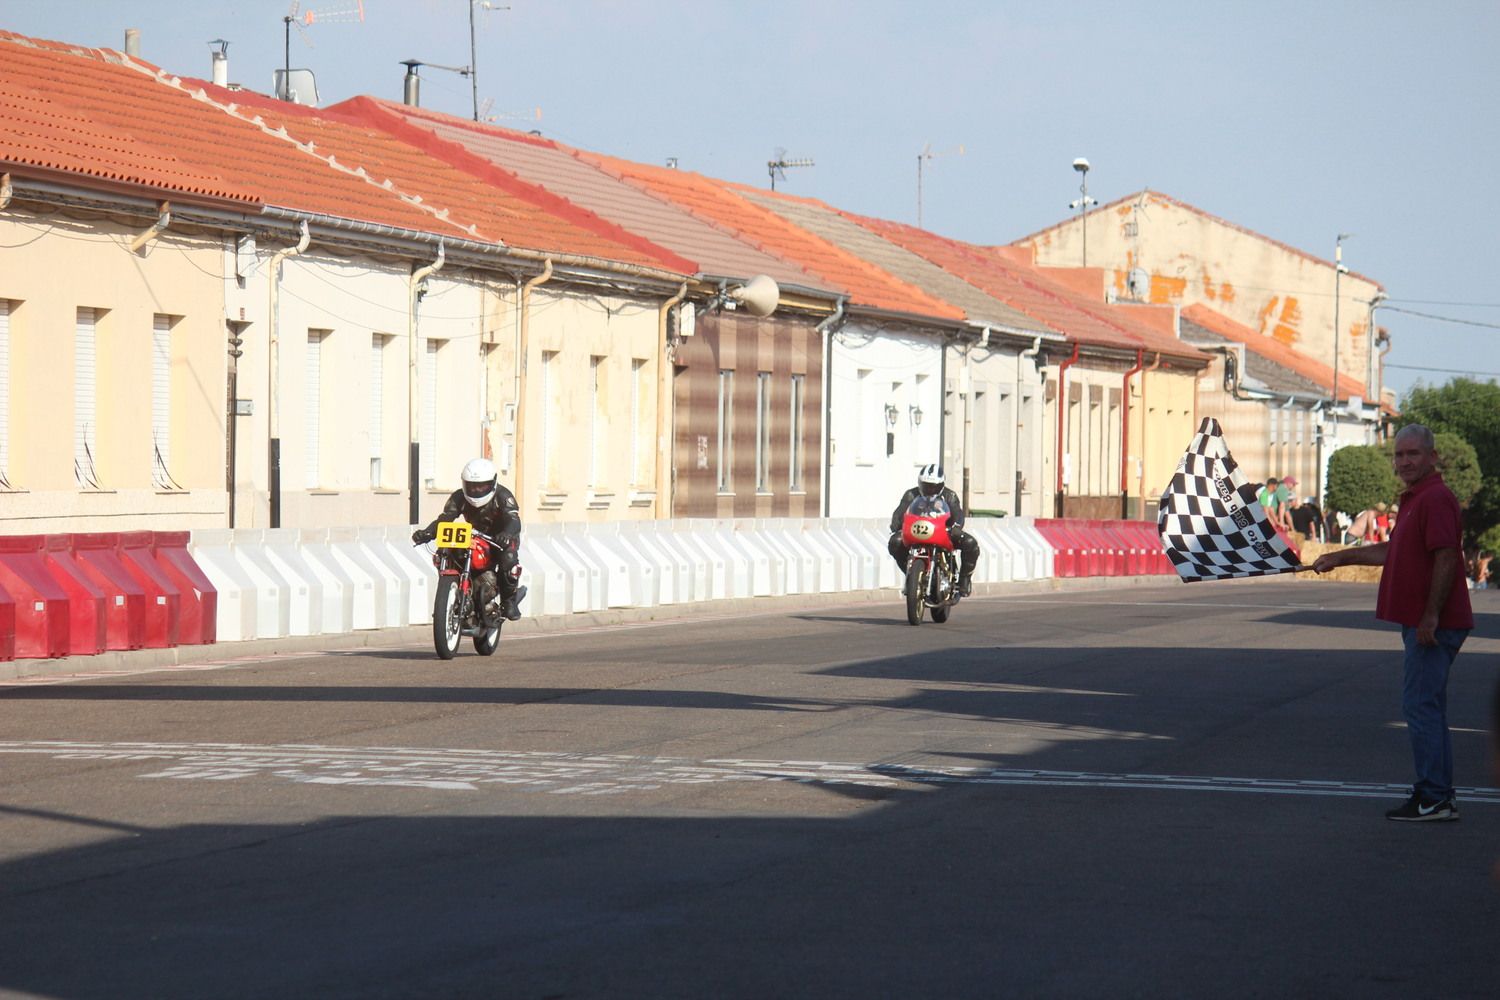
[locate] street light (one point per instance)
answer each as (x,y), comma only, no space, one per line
(1082,204)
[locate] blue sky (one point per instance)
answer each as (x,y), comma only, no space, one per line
(1298,120)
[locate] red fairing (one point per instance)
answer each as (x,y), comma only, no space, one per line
(481,554)
(926,530)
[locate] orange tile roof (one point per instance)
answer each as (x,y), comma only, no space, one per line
(48,129)
(1029,290)
(714,201)
(1273,350)
(273,153)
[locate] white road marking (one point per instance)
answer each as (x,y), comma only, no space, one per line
(610,774)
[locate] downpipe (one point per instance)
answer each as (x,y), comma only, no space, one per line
(273,374)
(1062,412)
(414,387)
(665,405)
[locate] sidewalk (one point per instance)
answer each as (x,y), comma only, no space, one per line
(138,660)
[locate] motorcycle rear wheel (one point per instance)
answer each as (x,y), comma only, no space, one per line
(447,621)
(486,642)
(916,590)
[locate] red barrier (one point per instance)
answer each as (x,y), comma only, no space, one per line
(1107,543)
(41,606)
(86,602)
(7,626)
(199,622)
(124,599)
(1067,551)
(163,602)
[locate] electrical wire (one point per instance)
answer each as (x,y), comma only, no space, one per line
(1443,319)
(1442,371)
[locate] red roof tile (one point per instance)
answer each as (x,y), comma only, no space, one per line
(712,200)
(1029,290)
(1273,350)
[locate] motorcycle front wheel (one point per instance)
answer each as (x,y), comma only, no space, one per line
(916,588)
(447,622)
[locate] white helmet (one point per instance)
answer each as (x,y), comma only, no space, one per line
(930,479)
(480,482)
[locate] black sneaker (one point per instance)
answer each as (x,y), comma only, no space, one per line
(1415,810)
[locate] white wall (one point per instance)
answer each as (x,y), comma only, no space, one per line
(868,471)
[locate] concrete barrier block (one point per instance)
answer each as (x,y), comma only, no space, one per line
(415,594)
(370,599)
(236,614)
(339,586)
(305,616)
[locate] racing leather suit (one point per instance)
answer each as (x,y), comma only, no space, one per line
(501,520)
(962,540)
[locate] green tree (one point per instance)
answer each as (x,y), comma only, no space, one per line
(1359,477)
(1455,460)
(1470,409)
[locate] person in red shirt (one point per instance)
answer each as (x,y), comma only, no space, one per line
(1421,592)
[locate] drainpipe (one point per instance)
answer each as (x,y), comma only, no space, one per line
(826,329)
(414,388)
(163,219)
(1141,486)
(524,351)
(1030,352)
(664,407)
(1140,359)
(968,384)
(1062,411)
(273,373)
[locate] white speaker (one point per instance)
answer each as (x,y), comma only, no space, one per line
(760,295)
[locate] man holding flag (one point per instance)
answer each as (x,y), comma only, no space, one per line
(1419,591)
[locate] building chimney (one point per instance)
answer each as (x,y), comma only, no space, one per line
(221,63)
(133,42)
(411,87)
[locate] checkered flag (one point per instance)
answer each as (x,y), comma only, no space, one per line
(1211,524)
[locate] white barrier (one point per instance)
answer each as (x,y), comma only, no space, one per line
(412,603)
(305,616)
(235,618)
(340,588)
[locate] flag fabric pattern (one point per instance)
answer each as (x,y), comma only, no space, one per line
(1211,524)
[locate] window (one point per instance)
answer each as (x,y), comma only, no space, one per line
(794,451)
(161,404)
(312,410)
(551,417)
(4,392)
(85,442)
(763,432)
(867,424)
(598,423)
(726,429)
(639,432)
(430,413)
(377,409)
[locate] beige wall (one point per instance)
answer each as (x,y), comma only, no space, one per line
(589,446)
(1191,257)
(56,263)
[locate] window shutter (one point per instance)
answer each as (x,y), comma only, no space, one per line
(312,402)
(429,413)
(377,407)
(161,397)
(84,440)
(4,388)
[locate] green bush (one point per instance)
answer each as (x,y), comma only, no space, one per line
(1359,477)
(1470,409)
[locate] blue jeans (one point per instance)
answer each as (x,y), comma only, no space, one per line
(1424,702)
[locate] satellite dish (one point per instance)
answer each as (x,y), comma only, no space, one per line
(760,295)
(1138,282)
(297,86)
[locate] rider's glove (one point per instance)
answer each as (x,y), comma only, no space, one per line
(509,542)
(421,535)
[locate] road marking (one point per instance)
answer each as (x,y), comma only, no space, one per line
(610,774)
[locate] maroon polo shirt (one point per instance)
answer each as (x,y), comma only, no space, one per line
(1429,520)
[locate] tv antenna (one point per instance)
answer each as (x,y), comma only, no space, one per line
(528,115)
(473,73)
(928,154)
(779,166)
(354,13)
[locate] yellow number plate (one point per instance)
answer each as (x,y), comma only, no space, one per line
(452,535)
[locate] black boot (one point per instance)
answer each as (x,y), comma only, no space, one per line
(513,604)
(965,584)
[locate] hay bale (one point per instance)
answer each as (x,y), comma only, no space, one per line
(1346,574)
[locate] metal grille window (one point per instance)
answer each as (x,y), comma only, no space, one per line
(726,429)
(377,409)
(85,442)
(312,409)
(763,432)
(794,449)
(4,392)
(430,413)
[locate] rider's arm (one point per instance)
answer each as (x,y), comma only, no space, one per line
(899,514)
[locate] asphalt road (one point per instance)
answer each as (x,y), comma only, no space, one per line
(1159,791)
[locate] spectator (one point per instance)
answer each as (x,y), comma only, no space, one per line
(1418,592)
(1361,530)
(1382,524)
(1482,570)
(1307,520)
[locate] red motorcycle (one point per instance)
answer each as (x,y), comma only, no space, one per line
(931,566)
(461,553)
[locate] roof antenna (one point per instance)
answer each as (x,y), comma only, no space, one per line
(284,89)
(928,154)
(778,167)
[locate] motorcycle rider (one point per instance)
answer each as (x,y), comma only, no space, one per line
(492,510)
(930,484)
